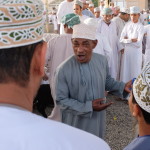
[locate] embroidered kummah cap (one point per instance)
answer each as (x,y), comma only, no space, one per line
(125,10)
(141,89)
(97,9)
(91,5)
(21,22)
(70,20)
(83,1)
(134,10)
(85,30)
(107,11)
(77,2)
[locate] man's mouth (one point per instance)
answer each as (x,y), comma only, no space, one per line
(81,57)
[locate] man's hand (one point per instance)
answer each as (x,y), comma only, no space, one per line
(98,104)
(134,40)
(128,86)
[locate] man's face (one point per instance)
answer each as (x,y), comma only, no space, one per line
(77,9)
(134,17)
(97,14)
(69,0)
(126,17)
(91,9)
(83,49)
(107,18)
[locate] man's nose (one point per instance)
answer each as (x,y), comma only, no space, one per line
(80,49)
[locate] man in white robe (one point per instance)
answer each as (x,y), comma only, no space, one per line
(108,28)
(77,9)
(81,82)
(64,8)
(147,50)
(131,37)
(97,14)
(120,21)
(59,49)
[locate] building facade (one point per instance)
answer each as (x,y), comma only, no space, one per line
(143,4)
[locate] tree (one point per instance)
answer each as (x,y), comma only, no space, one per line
(95,2)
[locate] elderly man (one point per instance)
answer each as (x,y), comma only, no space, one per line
(108,28)
(139,102)
(65,7)
(58,50)
(81,82)
(131,37)
(77,8)
(22,59)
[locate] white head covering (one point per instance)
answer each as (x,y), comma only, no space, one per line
(125,10)
(88,2)
(107,11)
(141,89)
(91,5)
(134,10)
(80,3)
(21,22)
(85,30)
(97,9)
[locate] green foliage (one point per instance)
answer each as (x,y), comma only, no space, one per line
(95,2)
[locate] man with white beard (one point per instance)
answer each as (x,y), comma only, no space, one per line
(131,37)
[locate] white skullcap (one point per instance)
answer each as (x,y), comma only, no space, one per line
(85,30)
(107,11)
(87,2)
(134,10)
(83,1)
(125,10)
(21,22)
(91,5)
(141,89)
(77,2)
(97,9)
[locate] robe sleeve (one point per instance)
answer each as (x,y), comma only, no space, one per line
(60,13)
(65,101)
(139,39)
(113,86)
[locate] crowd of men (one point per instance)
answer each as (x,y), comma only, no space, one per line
(90,57)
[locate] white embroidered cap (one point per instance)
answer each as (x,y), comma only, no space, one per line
(21,22)
(125,10)
(85,30)
(134,10)
(141,89)
(97,9)
(91,5)
(80,3)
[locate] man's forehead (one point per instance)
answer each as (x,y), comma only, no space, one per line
(80,40)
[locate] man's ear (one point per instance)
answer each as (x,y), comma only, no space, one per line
(39,58)
(94,44)
(136,111)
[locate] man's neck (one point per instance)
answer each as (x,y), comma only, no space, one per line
(16,95)
(144,129)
